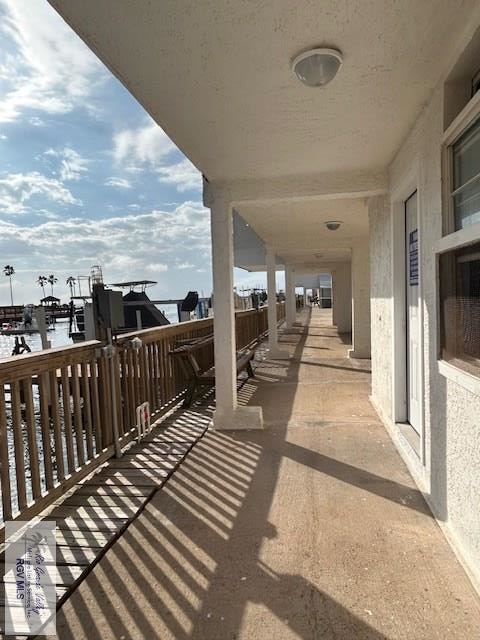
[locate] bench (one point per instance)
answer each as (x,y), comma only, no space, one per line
(197,379)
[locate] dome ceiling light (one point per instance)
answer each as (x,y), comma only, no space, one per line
(333,225)
(317,67)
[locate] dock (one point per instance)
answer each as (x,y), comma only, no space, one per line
(98,509)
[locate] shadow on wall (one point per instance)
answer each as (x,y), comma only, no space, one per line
(438,446)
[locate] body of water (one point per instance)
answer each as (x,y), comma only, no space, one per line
(59,336)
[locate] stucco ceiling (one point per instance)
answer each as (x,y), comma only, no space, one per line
(216,75)
(278,226)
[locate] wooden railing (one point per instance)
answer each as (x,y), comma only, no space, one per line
(57,407)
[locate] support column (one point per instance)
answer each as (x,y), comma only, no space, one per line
(360,301)
(290,305)
(342,298)
(273,349)
(335,306)
(305,297)
(228,415)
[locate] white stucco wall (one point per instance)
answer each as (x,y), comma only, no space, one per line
(450,474)
(381,300)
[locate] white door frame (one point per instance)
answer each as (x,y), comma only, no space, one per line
(408,184)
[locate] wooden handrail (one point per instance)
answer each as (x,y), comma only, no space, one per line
(39,362)
(57,407)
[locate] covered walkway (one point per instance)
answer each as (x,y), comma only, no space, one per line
(309,529)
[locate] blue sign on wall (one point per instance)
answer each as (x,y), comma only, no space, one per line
(413,257)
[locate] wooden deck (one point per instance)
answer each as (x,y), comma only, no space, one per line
(97,510)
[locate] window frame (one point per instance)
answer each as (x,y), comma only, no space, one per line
(465,119)
(452,239)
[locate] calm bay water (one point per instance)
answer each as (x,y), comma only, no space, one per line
(59,336)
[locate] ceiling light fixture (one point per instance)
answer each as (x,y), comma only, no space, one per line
(333,225)
(317,67)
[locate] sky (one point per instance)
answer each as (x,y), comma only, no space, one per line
(86,176)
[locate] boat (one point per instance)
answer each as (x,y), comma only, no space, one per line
(18,329)
(28,326)
(136,309)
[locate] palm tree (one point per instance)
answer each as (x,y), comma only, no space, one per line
(51,281)
(71,282)
(42,281)
(9,271)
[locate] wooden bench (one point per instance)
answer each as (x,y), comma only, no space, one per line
(196,378)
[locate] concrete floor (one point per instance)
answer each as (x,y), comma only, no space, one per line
(310,529)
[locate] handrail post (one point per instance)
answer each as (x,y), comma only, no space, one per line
(109,351)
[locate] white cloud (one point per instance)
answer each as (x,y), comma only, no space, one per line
(183,175)
(3,136)
(72,165)
(119,183)
(51,70)
(17,189)
(36,121)
(185,265)
(135,246)
(157,267)
(146,145)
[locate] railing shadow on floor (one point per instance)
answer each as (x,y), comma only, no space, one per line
(172,575)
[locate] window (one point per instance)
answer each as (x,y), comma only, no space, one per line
(460,307)
(466,178)
(459,249)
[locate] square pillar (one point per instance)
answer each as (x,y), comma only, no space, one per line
(273,350)
(342,298)
(227,415)
(290,303)
(360,301)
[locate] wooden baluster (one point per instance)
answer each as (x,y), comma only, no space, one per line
(87,408)
(77,414)
(4,461)
(156,376)
(136,378)
(148,373)
(57,427)
(118,395)
(125,390)
(18,445)
(162,356)
(103,400)
(131,386)
(32,438)
(67,419)
(97,422)
(106,401)
(169,370)
(143,381)
(151,377)
(173,378)
(45,424)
